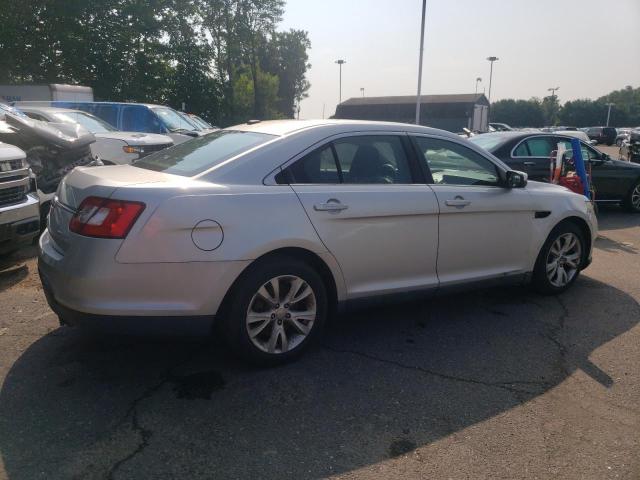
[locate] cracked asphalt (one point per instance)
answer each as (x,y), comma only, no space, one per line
(499,383)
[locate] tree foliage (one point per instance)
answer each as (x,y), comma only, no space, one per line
(625,111)
(223,59)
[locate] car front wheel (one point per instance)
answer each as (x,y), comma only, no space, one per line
(277,309)
(560,259)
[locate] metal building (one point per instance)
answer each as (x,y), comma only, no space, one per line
(447,112)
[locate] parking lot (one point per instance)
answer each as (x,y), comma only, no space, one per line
(499,383)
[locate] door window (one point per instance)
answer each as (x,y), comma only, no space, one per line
(453,164)
(588,154)
(534,147)
(378,159)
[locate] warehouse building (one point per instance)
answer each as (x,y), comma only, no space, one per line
(447,112)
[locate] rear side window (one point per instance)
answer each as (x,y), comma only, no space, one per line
(197,155)
(374,159)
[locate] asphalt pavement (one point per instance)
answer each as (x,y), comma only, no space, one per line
(499,383)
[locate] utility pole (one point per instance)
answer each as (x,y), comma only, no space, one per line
(491,59)
(609,111)
(340,63)
(323,105)
(418,98)
(553,91)
(478,80)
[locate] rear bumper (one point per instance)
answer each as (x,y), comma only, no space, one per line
(19,224)
(128,325)
(86,286)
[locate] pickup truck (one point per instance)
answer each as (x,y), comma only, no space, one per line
(19,203)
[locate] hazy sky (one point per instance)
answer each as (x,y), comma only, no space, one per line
(585,47)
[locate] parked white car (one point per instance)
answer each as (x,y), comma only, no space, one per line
(268,227)
(112,146)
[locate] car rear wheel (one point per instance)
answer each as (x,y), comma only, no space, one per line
(560,259)
(633,200)
(277,309)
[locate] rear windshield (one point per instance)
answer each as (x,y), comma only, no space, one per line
(489,141)
(195,156)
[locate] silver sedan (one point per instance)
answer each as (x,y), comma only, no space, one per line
(265,229)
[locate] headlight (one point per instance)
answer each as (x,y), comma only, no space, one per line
(133,149)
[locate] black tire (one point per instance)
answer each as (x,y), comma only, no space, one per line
(628,202)
(540,280)
(234,315)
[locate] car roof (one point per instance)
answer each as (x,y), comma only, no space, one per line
(28,108)
(287,127)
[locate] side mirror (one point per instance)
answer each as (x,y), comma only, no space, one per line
(516,179)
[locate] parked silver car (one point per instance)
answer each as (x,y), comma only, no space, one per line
(268,227)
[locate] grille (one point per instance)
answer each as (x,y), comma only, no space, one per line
(149,149)
(13,195)
(9,165)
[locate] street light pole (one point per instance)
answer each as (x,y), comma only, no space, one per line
(418,97)
(478,80)
(491,59)
(609,112)
(553,91)
(340,63)
(362,91)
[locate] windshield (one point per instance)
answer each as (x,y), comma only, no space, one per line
(88,121)
(172,119)
(190,121)
(197,155)
(199,121)
(488,141)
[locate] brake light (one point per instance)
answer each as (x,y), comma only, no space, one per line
(105,218)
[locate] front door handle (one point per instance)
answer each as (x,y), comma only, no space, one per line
(331,205)
(457,202)
(530,164)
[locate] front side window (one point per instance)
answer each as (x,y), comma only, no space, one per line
(200,154)
(588,154)
(453,164)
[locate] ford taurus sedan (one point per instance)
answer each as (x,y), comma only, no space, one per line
(267,228)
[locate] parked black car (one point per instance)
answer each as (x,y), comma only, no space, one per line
(630,148)
(603,134)
(614,181)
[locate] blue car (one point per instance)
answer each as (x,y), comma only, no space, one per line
(138,117)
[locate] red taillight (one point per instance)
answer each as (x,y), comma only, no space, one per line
(105,218)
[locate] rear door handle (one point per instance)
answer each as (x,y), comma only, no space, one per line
(459,202)
(530,164)
(331,205)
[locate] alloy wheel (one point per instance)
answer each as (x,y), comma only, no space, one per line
(281,314)
(635,197)
(563,260)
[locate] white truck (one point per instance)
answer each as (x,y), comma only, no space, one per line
(50,92)
(19,203)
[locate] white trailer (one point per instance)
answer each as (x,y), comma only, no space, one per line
(50,92)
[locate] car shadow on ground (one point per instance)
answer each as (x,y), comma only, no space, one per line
(382,383)
(13,267)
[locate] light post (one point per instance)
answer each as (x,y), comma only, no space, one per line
(362,91)
(491,59)
(418,97)
(478,80)
(340,63)
(609,111)
(553,91)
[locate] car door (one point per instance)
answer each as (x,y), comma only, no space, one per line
(363,197)
(485,229)
(535,155)
(610,181)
